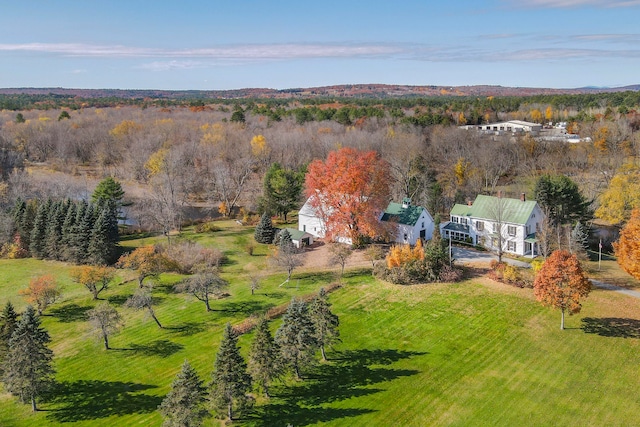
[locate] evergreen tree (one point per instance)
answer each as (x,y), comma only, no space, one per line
(37,245)
(264,363)
(8,323)
(264,230)
(579,240)
(79,241)
(561,197)
(184,404)
(324,321)
(23,217)
(230,380)
(53,241)
(108,192)
(285,242)
(68,229)
(102,248)
(282,189)
(296,337)
(28,372)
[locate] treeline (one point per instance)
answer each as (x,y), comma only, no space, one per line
(64,230)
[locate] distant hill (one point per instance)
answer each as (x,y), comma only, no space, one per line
(341,91)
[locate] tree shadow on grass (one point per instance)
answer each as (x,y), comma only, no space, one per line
(91,399)
(612,327)
(246,308)
(352,374)
(162,348)
(70,313)
(187,328)
(118,300)
(275,294)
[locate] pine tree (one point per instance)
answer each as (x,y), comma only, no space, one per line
(264,363)
(79,242)
(184,404)
(296,337)
(230,380)
(28,371)
(8,323)
(37,245)
(264,230)
(579,241)
(284,240)
(324,321)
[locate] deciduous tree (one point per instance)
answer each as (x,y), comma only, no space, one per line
(183,406)
(621,196)
(204,285)
(230,380)
(28,371)
(42,292)
(339,255)
(561,283)
(95,279)
(147,261)
(627,248)
(348,191)
(141,300)
(105,321)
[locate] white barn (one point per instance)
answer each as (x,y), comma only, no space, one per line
(412,222)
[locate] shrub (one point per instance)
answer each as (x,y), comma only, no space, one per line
(450,274)
(206,227)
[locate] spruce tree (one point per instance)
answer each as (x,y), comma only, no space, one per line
(8,323)
(296,337)
(184,404)
(28,372)
(324,321)
(264,361)
(37,245)
(102,245)
(79,241)
(264,230)
(285,242)
(579,240)
(230,380)
(68,228)
(53,240)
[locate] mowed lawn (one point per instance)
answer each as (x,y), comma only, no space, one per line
(473,353)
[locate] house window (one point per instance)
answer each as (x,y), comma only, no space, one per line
(463,221)
(423,225)
(405,236)
(480,225)
(511,246)
(494,242)
(511,230)
(454,219)
(494,227)
(304,227)
(528,229)
(537,227)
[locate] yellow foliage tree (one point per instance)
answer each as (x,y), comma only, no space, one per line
(155,163)
(259,146)
(622,195)
(600,139)
(548,113)
(536,115)
(124,128)
(213,134)
(461,171)
(462,120)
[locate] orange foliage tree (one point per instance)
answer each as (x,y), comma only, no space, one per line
(348,191)
(95,279)
(402,254)
(627,248)
(42,292)
(561,283)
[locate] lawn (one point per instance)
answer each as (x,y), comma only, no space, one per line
(473,353)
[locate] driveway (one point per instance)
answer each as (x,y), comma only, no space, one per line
(466,256)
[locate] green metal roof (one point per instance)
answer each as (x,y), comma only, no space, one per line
(407,216)
(295,233)
(514,211)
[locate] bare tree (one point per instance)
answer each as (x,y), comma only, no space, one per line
(288,258)
(204,286)
(142,300)
(105,321)
(340,254)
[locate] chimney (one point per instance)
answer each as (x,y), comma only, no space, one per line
(469,202)
(523,198)
(499,194)
(406,202)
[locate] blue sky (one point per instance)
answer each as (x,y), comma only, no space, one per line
(232,44)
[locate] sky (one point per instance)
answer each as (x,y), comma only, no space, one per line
(282,44)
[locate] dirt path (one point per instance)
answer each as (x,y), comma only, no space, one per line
(318,256)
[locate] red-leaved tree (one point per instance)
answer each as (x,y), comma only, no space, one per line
(348,192)
(561,283)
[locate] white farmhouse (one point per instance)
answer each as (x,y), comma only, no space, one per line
(412,222)
(512,126)
(489,220)
(309,221)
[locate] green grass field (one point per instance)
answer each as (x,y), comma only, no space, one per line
(473,353)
